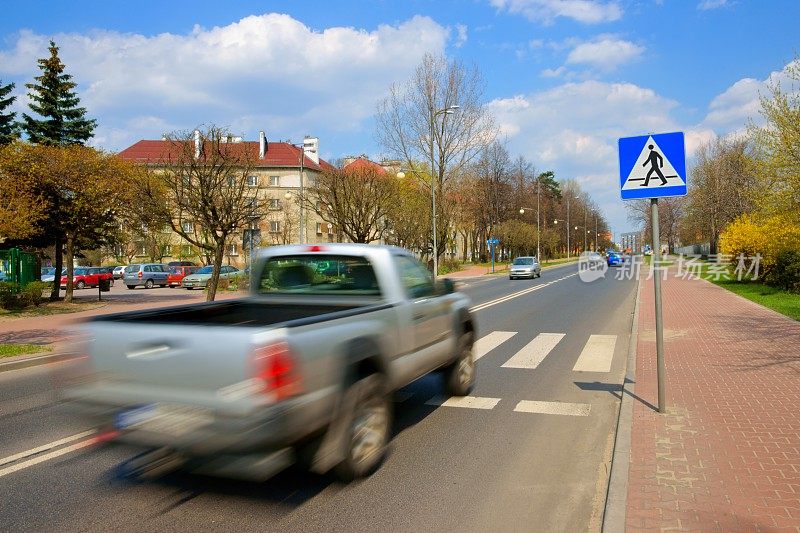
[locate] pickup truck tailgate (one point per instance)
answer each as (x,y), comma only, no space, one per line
(193,362)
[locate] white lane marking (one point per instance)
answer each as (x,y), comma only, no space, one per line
(533,353)
(489,342)
(553,408)
(597,354)
(47,456)
(470,402)
(511,296)
(45,447)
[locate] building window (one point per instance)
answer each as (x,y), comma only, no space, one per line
(274,181)
(274,226)
(253,224)
(319,228)
(141,250)
(252,181)
(168,250)
(274,204)
(252,204)
(186,250)
(232,249)
(187,227)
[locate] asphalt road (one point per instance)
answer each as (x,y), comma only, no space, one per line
(530,452)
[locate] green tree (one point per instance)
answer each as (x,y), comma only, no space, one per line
(9,129)
(776,148)
(63,122)
(53,98)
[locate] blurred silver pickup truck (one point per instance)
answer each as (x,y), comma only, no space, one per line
(302,369)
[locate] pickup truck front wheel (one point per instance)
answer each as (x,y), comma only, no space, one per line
(367,431)
(459,377)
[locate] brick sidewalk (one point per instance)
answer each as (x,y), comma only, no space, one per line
(726,455)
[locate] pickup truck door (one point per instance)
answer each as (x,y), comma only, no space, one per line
(429,314)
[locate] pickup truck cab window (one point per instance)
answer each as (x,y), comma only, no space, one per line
(415,278)
(319,274)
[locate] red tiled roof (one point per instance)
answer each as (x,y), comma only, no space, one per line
(364,165)
(278,154)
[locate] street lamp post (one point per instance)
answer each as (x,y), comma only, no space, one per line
(522,212)
(302,147)
(556,221)
(449,110)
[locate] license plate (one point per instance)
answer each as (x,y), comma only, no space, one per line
(166,419)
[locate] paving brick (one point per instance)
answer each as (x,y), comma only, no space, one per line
(726,455)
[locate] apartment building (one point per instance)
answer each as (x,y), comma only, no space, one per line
(280,169)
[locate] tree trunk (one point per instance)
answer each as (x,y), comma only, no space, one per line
(219,252)
(55,292)
(70,267)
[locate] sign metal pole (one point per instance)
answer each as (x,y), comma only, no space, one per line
(661,370)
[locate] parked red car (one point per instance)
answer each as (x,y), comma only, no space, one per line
(177,273)
(87,277)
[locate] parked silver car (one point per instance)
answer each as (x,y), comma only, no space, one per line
(525,267)
(146,274)
(119,272)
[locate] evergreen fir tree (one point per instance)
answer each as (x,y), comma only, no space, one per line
(9,129)
(53,98)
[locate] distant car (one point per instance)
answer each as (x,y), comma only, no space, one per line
(613,259)
(181,263)
(177,273)
(48,272)
(50,278)
(83,277)
(146,275)
(199,279)
(525,267)
(119,271)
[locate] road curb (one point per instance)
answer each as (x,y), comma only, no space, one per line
(27,362)
(617,495)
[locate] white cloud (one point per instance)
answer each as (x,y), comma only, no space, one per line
(554,72)
(605,52)
(263,72)
(573,130)
(546,11)
(712,4)
(461,35)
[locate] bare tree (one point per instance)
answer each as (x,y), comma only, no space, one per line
(413,123)
(356,201)
(208,198)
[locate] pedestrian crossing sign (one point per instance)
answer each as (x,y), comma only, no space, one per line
(652,166)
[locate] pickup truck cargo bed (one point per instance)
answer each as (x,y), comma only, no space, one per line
(245,312)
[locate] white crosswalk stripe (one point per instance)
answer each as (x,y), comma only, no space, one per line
(553,408)
(533,353)
(470,402)
(597,354)
(489,342)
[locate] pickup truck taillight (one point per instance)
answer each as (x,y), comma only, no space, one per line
(275,369)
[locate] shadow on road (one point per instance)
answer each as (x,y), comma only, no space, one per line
(615,389)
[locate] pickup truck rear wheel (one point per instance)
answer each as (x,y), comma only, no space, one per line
(368,425)
(459,377)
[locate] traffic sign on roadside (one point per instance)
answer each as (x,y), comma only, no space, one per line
(652,166)
(492,241)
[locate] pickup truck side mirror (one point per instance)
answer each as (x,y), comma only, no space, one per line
(446,286)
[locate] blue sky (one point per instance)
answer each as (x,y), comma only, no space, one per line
(564,78)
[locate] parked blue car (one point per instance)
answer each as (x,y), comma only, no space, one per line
(146,274)
(614,259)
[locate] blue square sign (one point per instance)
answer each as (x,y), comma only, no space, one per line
(652,166)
